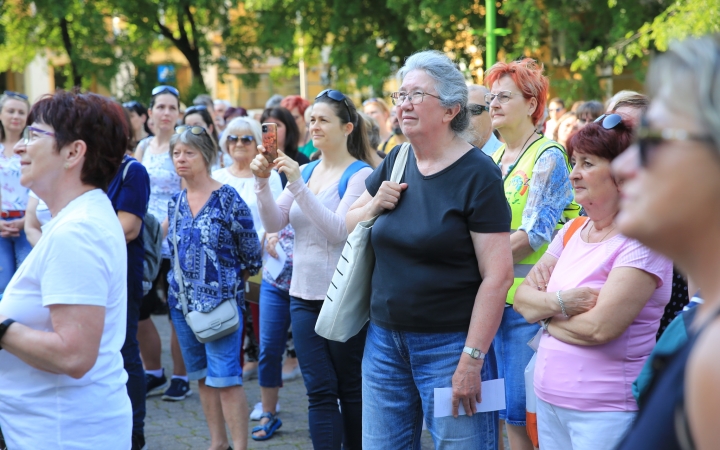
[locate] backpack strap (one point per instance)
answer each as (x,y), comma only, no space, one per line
(575,225)
(127,166)
(351,170)
(308,170)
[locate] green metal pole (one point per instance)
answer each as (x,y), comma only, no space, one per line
(490,42)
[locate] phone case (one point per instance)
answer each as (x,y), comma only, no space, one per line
(269,137)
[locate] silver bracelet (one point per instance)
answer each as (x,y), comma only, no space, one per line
(562,304)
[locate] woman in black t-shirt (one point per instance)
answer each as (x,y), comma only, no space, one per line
(443,268)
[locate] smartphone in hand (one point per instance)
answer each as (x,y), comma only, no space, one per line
(269,138)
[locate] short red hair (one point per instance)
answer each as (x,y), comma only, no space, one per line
(594,139)
(295,101)
(528,77)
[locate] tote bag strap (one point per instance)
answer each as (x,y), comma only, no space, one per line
(400,163)
(178,271)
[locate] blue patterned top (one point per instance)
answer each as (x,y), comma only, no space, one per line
(214,248)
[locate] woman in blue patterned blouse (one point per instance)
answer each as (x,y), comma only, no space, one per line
(218,249)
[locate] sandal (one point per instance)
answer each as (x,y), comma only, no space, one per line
(269,428)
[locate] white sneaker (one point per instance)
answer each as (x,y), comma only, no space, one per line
(257,411)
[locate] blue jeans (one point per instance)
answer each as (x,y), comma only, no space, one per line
(331,372)
(274,324)
(133,365)
(13,252)
(217,361)
(513,355)
(400,373)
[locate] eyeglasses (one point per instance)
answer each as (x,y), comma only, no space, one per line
(502,96)
(338,97)
(476,109)
(398,98)
(609,121)
(16,95)
(131,105)
(197,131)
(648,139)
(245,139)
(165,89)
(194,109)
(28,134)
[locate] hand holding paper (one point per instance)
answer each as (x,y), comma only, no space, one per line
(493,399)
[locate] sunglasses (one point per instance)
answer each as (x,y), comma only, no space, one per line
(131,105)
(476,109)
(16,95)
(338,97)
(197,131)
(609,121)
(165,90)
(648,140)
(194,109)
(245,139)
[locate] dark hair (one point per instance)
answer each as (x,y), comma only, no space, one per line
(557,100)
(205,114)
(131,143)
(204,99)
(292,134)
(593,139)
(152,100)
(91,118)
(357,142)
(593,108)
(233,112)
(139,109)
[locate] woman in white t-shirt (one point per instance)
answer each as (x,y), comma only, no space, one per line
(62,318)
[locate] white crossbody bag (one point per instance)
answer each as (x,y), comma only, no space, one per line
(209,326)
(346,308)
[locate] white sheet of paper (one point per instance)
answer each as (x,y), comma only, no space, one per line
(493,399)
(275,265)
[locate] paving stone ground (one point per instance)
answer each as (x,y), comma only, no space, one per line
(181,425)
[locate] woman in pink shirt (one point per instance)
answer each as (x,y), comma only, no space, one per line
(599,296)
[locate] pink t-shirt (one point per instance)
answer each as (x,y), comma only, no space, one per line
(600,377)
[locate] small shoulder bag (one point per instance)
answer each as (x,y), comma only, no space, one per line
(346,308)
(209,326)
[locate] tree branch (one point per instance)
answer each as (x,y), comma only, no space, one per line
(181,28)
(67,43)
(193,28)
(165,31)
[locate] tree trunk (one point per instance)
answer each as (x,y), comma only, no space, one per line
(67,43)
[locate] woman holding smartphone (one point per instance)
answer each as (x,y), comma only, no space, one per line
(316,209)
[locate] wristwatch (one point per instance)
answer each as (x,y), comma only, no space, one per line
(474,353)
(4,327)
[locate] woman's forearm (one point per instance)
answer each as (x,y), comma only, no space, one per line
(274,218)
(578,330)
(487,314)
(535,305)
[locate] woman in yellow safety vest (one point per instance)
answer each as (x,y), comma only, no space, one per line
(536,179)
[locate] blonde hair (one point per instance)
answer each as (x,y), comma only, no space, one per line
(241,123)
(4,98)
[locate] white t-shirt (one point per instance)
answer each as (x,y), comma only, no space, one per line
(81,260)
(245,187)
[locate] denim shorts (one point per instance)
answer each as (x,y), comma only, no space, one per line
(217,361)
(513,355)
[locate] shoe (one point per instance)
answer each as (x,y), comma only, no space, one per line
(155,385)
(258,410)
(250,374)
(138,442)
(269,428)
(295,373)
(178,390)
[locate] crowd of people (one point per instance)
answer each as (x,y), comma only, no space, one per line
(515,221)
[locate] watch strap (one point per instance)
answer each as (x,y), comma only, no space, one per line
(474,353)
(4,327)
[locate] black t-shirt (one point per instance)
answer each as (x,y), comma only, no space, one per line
(426,274)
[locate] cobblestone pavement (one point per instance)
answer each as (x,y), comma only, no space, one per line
(181,425)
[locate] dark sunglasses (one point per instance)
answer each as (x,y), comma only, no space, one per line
(194,109)
(609,121)
(165,90)
(245,140)
(476,109)
(16,95)
(338,97)
(197,131)
(131,105)
(648,139)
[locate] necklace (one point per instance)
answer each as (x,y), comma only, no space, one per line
(522,152)
(592,226)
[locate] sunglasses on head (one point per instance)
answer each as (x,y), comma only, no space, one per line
(131,105)
(338,97)
(197,131)
(165,90)
(16,95)
(194,109)
(648,139)
(609,121)
(245,139)
(476,109)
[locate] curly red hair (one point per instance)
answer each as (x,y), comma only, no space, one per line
(528,77)
(295,101)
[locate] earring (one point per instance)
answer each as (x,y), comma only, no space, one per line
(66,166)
